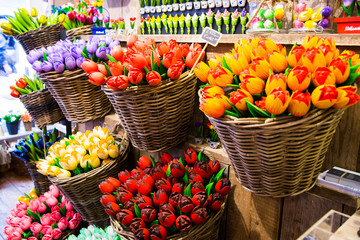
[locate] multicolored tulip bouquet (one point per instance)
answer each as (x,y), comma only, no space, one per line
(267,84)
(68,55)
(25,85)
(45,217)
(144,63)
(80,153)
(159,199)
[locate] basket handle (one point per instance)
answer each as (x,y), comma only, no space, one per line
(117,128)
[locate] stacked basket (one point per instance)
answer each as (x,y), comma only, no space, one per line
(78,32)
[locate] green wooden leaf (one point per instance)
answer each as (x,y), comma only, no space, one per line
(256,111)
(219,175)
(206,85)
(234,86)
(155,222)
(107,69)
(111,58)
(137,210)
(168,171)
(235,109)
(208,188)
(199,157)
(186,178)
(152,161)
(187,190)
(224,64)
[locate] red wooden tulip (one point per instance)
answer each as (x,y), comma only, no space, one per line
(160,197)
(157,173)
(166,206)
(105,199)
(195,177)
(131,185)
(116,68)
(215,166)
(136,224)
(198,215)
(148,214)
(192,57)
(186,49)
(130,205)
(144,188)
(125,217)
(144,162)
(143,201)
(142,234)
(158,232)
(97,78)
(163,48)
(153,78)
(190,156)
(106,187)
(166,218)
(185,204)
(177,169)
(135,76)
(102,69)
(197,187)
(132,38)
(164,184)
(89,66)
(117,53)
(215,201)
(113,181)
(149,180)
(123,176)
(169,59)
(124,196)
(178,187)
(203,169)
(174,199)
(200,199)
(175,70)
(112,209)
(223,186)
(137,60)
(183,223)
(165,158)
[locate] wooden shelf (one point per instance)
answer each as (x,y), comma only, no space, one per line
(286,39)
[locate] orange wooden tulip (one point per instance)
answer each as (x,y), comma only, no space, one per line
(310,42)
(213,90)
(278,61)
(220,77)
(275,81)
(326,50)
(212,107)
(202,71)
(261,68)
(238,99)
(300,103)
(163,48)
(246,50)
(324,96)
(252,84)
(299,78)
(282,49)
(313,58)
(341,70)
(117,53)
(224,99)
(347,96)
(322,76)
(214,62)
(277,101)
(295,55)
(261,103)
(348,54)
(192,56)
(236,62)
(116,68)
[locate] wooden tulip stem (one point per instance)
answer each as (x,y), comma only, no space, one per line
(197,60)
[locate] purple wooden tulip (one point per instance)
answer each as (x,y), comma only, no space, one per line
(75,52)
(59,67)
(56,57)
(347,3)
(324,23)
(31,57)
(108,40)
(37,66)
(101,43)
(79,61)
(91,47)
(101,52)
(70,63)
(66,53)
(326,12)
(114,43)
(46,66)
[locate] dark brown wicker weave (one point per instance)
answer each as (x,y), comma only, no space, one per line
(281,156)
(41,182)
(79,100)
(40,37)
(77,32)
(83,190)
(156,118)
(42,107)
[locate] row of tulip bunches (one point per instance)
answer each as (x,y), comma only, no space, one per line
(80,153)
(23,21)
(143,63)
(41,217)
(159,199)
(262,77)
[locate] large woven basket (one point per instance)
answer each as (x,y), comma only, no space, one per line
(39,37)
(77,32)
(42,107)
(83,190)
(278,157)
(206,231)
(156,118)
(79,100)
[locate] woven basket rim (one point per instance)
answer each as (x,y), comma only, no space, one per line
(38,30)
(32,94)
(79,28)
(64,72)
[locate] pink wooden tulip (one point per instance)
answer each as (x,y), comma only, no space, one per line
(54,191)
(63,223)
(46,219)
(56,233)
(46,230)
(36,228)
(51,201)
(34,205)
(21,205)
(25,222)
(55,216)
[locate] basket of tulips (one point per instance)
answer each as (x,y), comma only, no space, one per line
(168,199)
(37,100)
(77,165)
(151,89)
(31,31)
(59,67)
(277,123)
(48,216)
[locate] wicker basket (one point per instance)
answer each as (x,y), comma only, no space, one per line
(281,156)
(42,107)
(156,118)
(41,182)
(77,32)
(79,100)
(206,231)
(83,190)
(39,37)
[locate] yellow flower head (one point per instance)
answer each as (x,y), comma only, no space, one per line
(113,151)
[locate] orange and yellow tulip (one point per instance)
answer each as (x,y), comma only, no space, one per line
(328,53)
(238,99)
(224,99)
(310,42)
(324,96)
(252,84)
(278,61)
(260,68)
(327,41)
(347,96)
(295,55)
(282,49)
(277,101)
(220,77)
(348,54)
(246,51)
(212,91)
(299,103)
(24,200)
(299,78)
(261,103)
(275,81)
(214,62)
(202,71)
(236,62)
(341,70)
(268,45)
(313,58)
(212,107)
(323,76)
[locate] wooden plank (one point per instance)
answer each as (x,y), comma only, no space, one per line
(301,212)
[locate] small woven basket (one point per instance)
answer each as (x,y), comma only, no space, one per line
(39,37)
(41,182)
(156,118)
(209,230)
(83,190)
(42,107)
(79,100)
(277,157)
(77,32)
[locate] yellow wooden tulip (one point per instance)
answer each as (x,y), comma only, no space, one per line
(202,71)
(275,81)
(278,61)
(347,97)
(323,76)
(252,84)
(261,68)
(324,96)
(238,99)
(277,101)
(341,69)
(299,78)
(313,58)
(300,103)
(212,107)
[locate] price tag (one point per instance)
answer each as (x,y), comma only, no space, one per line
(211,36)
